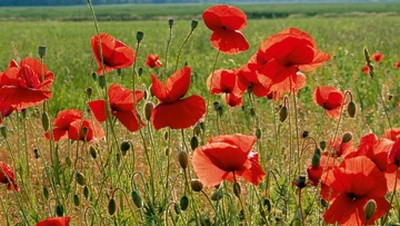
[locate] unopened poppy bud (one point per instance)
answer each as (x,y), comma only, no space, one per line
(217,195)
(148,109)
(112,206)
(236,189)
(45,121)
(369,209)
(258,133)
(46,193)
(167,151)
(137,199)
(196,185)
(86,192)
(42,51)
(194,142)
(351,109)
(322,145)
(89,92)
(76,200)
(194,24)
(94,76)
(59,210)
(217,106)
(283,113)
(102,82)
(316,159)
(197,130)
(139,36)
(140,71)
(177,208)
(125,145)
(166,135)
(92,152)
(3,131)
(184,203)
(183,159)
(170,23)
(347,137)
(300,182)
(80,178)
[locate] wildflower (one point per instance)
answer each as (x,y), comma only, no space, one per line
(330,99)
(365,69)
(227,83)
(174,110)
(7,177)
(55,221)
(397,64)
(62,123)
(153,61)
(226,22)
(121,105)
(113,54)
(26,84)
(356,181)
(85,130)
(283,54)
(225,157)
(377,57)
(252,80)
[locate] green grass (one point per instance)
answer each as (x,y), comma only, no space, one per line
(149,12)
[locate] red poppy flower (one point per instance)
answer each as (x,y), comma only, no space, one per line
(63,122)
(365,69)
(55,221)
(250,79)
(225,157)
(27,84)
(397,64)
(153,61)
(226,82)
(173,110)
(115,54)
(226,22)
(377,57)
(391,134)
(356,181)
(283,54)
(122,107)
(329,98)
(338,148)
(7,177)
(85,130)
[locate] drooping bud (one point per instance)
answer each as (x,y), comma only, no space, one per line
(217,195)
(258,133)
(94,76)
(217,106)
(194,142)
(112,206)
(196,185)
(316,159)
(351,109)
(86,192)
(184,203)
(183,159)
(76,200)
(102,82)
(80,178)
(125,146)
(194,24)
(46,193)
(45,121)
(148,109)
(139,36)
(347,137)
(42,51)
(59,210)
(300,181)
(252,112)
(283,113)
(137,199)
(92,152)
(166,135)
(369,209)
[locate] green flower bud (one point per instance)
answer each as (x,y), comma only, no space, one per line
(283,113)
(92,152)
(170,23)
(45,121)
(351,109)
(139,36)
(322,145)
(112,206)
(42,51)
(102,81)
(76,200)
(184,203)
(59,210)
(80,179)
(369,209)
(194,24)
(183,159)
(137,198)
(194,142)
(148,109)
(347,137)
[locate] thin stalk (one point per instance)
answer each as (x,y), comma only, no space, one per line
(180,48)
(392,197)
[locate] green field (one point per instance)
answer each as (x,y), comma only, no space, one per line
(342,30)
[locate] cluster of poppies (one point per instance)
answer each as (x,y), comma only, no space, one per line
(377,57)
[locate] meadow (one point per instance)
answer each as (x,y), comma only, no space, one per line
(149,184)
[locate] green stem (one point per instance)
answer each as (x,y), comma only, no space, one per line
(392,197)
(180,48)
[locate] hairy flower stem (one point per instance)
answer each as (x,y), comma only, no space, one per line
(392,197)
(167,50)
(296,121)
(209,88)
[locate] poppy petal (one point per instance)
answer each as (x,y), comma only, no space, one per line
(224,17)
(229,42)
(174,88)
(129,119)
(99,110)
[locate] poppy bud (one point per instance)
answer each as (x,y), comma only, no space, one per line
(197,130)
(305,134)
(217,195)
(36,153)
(300,182)
(283,113)
(369,209)
(148,109)
(202,125)
(194,24)
(194,142)
(139,36)
(42,51)
(322,145)
(347,137)
(258,133)
(177,209)
(184,203)
(140,71)
(167,151)
(89,92)
(59,210)
(86,192)
(183,159)
(351,109)
(166,135)
(92,152)
(3,131)
(80,178)
(236,189)
(125,145)
(196,185)
(46,193)
(170,23)
(102,82)
(316,159)
(45,121)
(137,199)
(217,106)
(112,206)
(76,200)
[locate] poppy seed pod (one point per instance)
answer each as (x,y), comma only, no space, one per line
(183,159)
(351,109)
(148,108)
(139,36)
(194,24)
(300,182)
(347,137)
(170,23)
(196,185)
(369,209)
(42,51)
(125,145)
(45,121)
